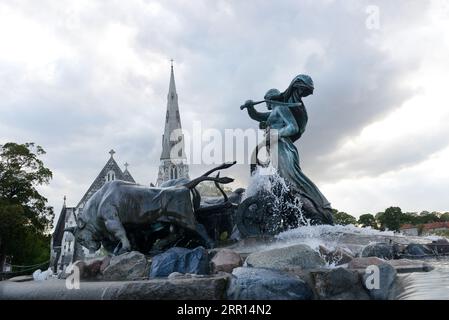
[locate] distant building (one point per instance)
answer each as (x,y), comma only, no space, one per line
(172,166)
(409,230)
(64,250)
(435,226)
(428,228)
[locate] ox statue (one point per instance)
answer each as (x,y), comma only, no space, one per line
(121,210)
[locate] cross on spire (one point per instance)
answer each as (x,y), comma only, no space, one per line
(171,61)
(126,165)
(112,152)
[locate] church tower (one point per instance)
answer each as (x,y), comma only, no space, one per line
(173,159)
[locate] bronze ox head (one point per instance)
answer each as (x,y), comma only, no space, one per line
(84,235)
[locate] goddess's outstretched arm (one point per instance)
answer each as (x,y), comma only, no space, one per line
(254,114)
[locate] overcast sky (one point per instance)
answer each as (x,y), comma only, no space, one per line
(82,77)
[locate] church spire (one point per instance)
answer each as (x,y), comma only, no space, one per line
(172,88)
(173,164)
(172,121)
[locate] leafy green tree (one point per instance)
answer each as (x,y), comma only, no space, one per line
(391,219)
(343,218)
(367,220)
(428,217)
(445,217)
(25,218)
(409,218)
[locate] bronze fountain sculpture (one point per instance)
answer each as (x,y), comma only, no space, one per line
(284,124)
(123,216)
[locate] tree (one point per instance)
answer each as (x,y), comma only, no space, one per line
(25,218)
(444,217)
(428,217)
(367,220)
(391,219)
(343,218)
(409,218)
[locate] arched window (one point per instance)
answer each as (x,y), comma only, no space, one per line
(173,172)
(110,176)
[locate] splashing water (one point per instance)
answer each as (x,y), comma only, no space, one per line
(284,205)
(328,230)
(331,237)
(267,184)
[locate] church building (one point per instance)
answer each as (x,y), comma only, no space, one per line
(64,250)
(173,165)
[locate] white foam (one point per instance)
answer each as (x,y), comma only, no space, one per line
(434,238)
(325,235)
(318,231)
(265,180)
(312,235)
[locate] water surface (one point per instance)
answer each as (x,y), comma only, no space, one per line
(433,285)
